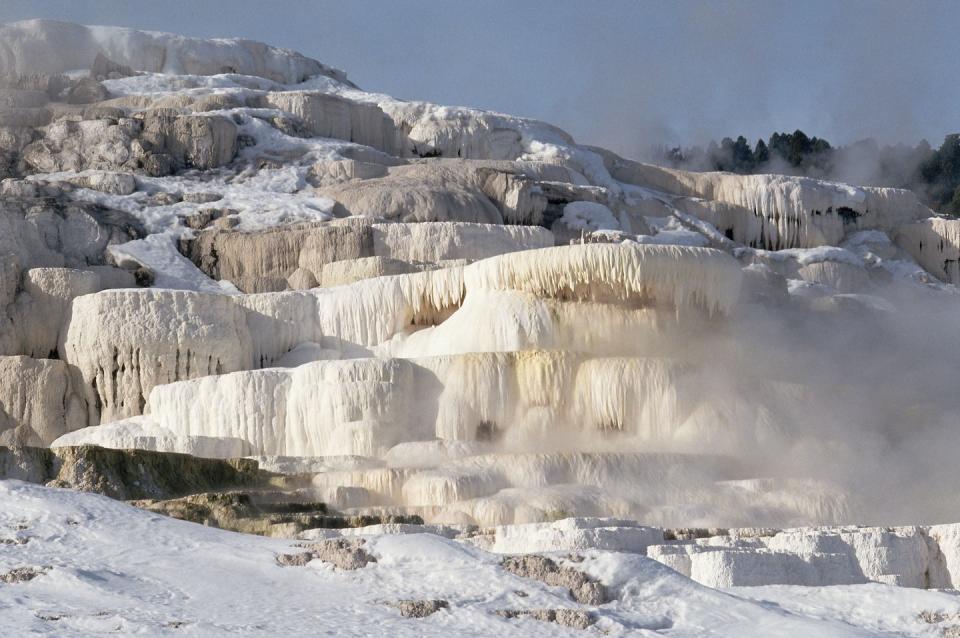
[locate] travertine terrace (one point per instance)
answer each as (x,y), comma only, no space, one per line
(225,249)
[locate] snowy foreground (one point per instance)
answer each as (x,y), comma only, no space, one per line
(106,567)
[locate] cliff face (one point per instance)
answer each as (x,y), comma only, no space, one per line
(222,248)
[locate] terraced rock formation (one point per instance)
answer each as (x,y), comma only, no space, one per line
(223,249)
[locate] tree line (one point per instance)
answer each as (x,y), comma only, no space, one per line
(934,174)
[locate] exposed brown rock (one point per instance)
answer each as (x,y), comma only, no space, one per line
(22,574)
(419,608)
(575,618)
(582,588)
(343,553)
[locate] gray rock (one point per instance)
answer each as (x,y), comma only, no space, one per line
(107,182)
(87,91)
(225,223)
(51,232)
(575,618)
(23,117)
(125,474)
(23,98)
(193,141)
(299,559)
(163,199)
(419,608)
(202,218)
(215,102)
(113,277)
(22,574)
(582,589)
(98,112)
(104,68)
(202,197)
(158,164)
(344,553)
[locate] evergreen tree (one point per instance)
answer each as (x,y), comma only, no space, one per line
(724,158)
(761,154)
(741,156)
(953,208)
(941,173)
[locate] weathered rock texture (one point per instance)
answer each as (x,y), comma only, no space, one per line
(109,342)
(39,401)
(125,474)
(305,255)
(582,589)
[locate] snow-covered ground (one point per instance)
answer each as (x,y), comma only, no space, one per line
(108,568)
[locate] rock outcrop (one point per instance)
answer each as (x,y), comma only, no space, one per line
(582,588)
(157,143)
(39,401)
(443,191)
(120,344)
(125,474)
(50,47)
(935,244)
(325,115)
(266,261)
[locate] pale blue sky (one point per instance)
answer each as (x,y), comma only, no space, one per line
(618,73)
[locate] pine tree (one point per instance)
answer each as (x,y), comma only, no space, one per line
(761,154)
(742,156)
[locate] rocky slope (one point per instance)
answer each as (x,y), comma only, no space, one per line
(224,249)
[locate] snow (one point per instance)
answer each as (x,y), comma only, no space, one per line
(806,256)
(135,434)
(670,230)
(589,216)
(172,270)
(880,609)
(258,199)
(164,83)
(110,568)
